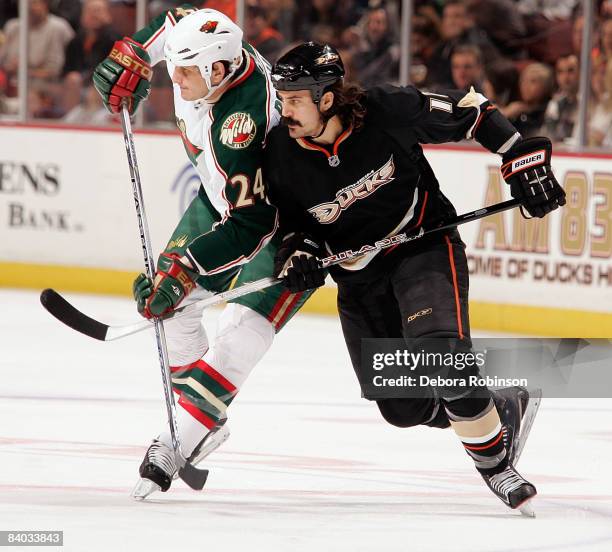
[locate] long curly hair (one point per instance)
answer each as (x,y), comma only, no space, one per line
(349,104)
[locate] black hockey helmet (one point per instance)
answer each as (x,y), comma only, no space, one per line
(309,66)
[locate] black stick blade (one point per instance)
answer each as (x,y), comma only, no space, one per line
(57,306)
(193,476)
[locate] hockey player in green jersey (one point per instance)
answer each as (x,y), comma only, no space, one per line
(224,105)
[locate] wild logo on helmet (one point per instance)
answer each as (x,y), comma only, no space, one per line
(209,27)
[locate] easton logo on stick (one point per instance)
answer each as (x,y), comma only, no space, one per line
(238,131)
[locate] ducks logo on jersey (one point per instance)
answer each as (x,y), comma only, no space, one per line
(326,213)
(238,131)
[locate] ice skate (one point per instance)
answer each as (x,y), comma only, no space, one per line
(517,409)
(158,467)
(156,471)
(512,489)
(211,442)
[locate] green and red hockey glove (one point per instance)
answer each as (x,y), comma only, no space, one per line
(526,167)
(173,282)
(125,74)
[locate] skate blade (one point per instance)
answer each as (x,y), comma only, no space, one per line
(211,443)
(144,488)
(535,398)
(526,509)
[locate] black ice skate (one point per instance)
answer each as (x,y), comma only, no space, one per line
(517,409)
(512,489)
(158,467)
(156,471)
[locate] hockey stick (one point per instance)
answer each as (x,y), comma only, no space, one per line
(194,477)
(72,317)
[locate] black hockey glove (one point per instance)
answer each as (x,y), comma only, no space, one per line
(526,167)
(297,263)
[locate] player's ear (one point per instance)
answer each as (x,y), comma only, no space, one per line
(218,72)
(326,101)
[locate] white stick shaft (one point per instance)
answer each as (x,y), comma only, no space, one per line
(160,335)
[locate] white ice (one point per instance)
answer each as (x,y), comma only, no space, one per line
(309,466)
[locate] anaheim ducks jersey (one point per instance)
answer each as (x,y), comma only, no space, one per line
(375,182)
(224,143)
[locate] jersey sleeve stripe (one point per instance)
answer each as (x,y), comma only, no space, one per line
(243,258)
(154,37)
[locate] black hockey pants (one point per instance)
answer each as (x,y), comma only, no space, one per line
(424,294)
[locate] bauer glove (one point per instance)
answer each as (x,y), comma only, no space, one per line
(173,282)
(297,263)
(526,167)
(125,74)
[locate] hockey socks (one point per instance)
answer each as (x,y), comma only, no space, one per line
(204,395)
(482,436)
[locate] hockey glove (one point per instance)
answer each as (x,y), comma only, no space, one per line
(173,282)
(297,263)
(125,73)
(526,167)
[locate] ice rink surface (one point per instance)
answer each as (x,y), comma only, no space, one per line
(309,466)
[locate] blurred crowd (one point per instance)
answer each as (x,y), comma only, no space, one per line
(522,54)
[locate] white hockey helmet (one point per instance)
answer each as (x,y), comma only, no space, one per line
(203,38)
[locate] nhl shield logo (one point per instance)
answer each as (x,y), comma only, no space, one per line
(238,131)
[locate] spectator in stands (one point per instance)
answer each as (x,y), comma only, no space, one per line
(503,24)
(600,124)
(598,81)
(605,38)
(90,110)
(548,24)
(577,30)
(48,36)
(280,15)
(42,102)
(377,60)
(70,10)
(467,68)
(500,84)
(338,15)
(560,116)
(550,9)
(535,87)
(8,10)
(93,41)
(457,28)
(425,39)
(261,35)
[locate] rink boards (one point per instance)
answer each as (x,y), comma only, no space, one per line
(67,221)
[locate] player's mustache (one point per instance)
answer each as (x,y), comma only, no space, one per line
(290,121)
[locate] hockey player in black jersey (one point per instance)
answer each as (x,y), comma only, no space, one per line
(346,170)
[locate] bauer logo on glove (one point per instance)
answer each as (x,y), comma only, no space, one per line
(531,160)
(526,167)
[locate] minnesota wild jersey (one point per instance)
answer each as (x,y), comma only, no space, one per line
(224,142)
